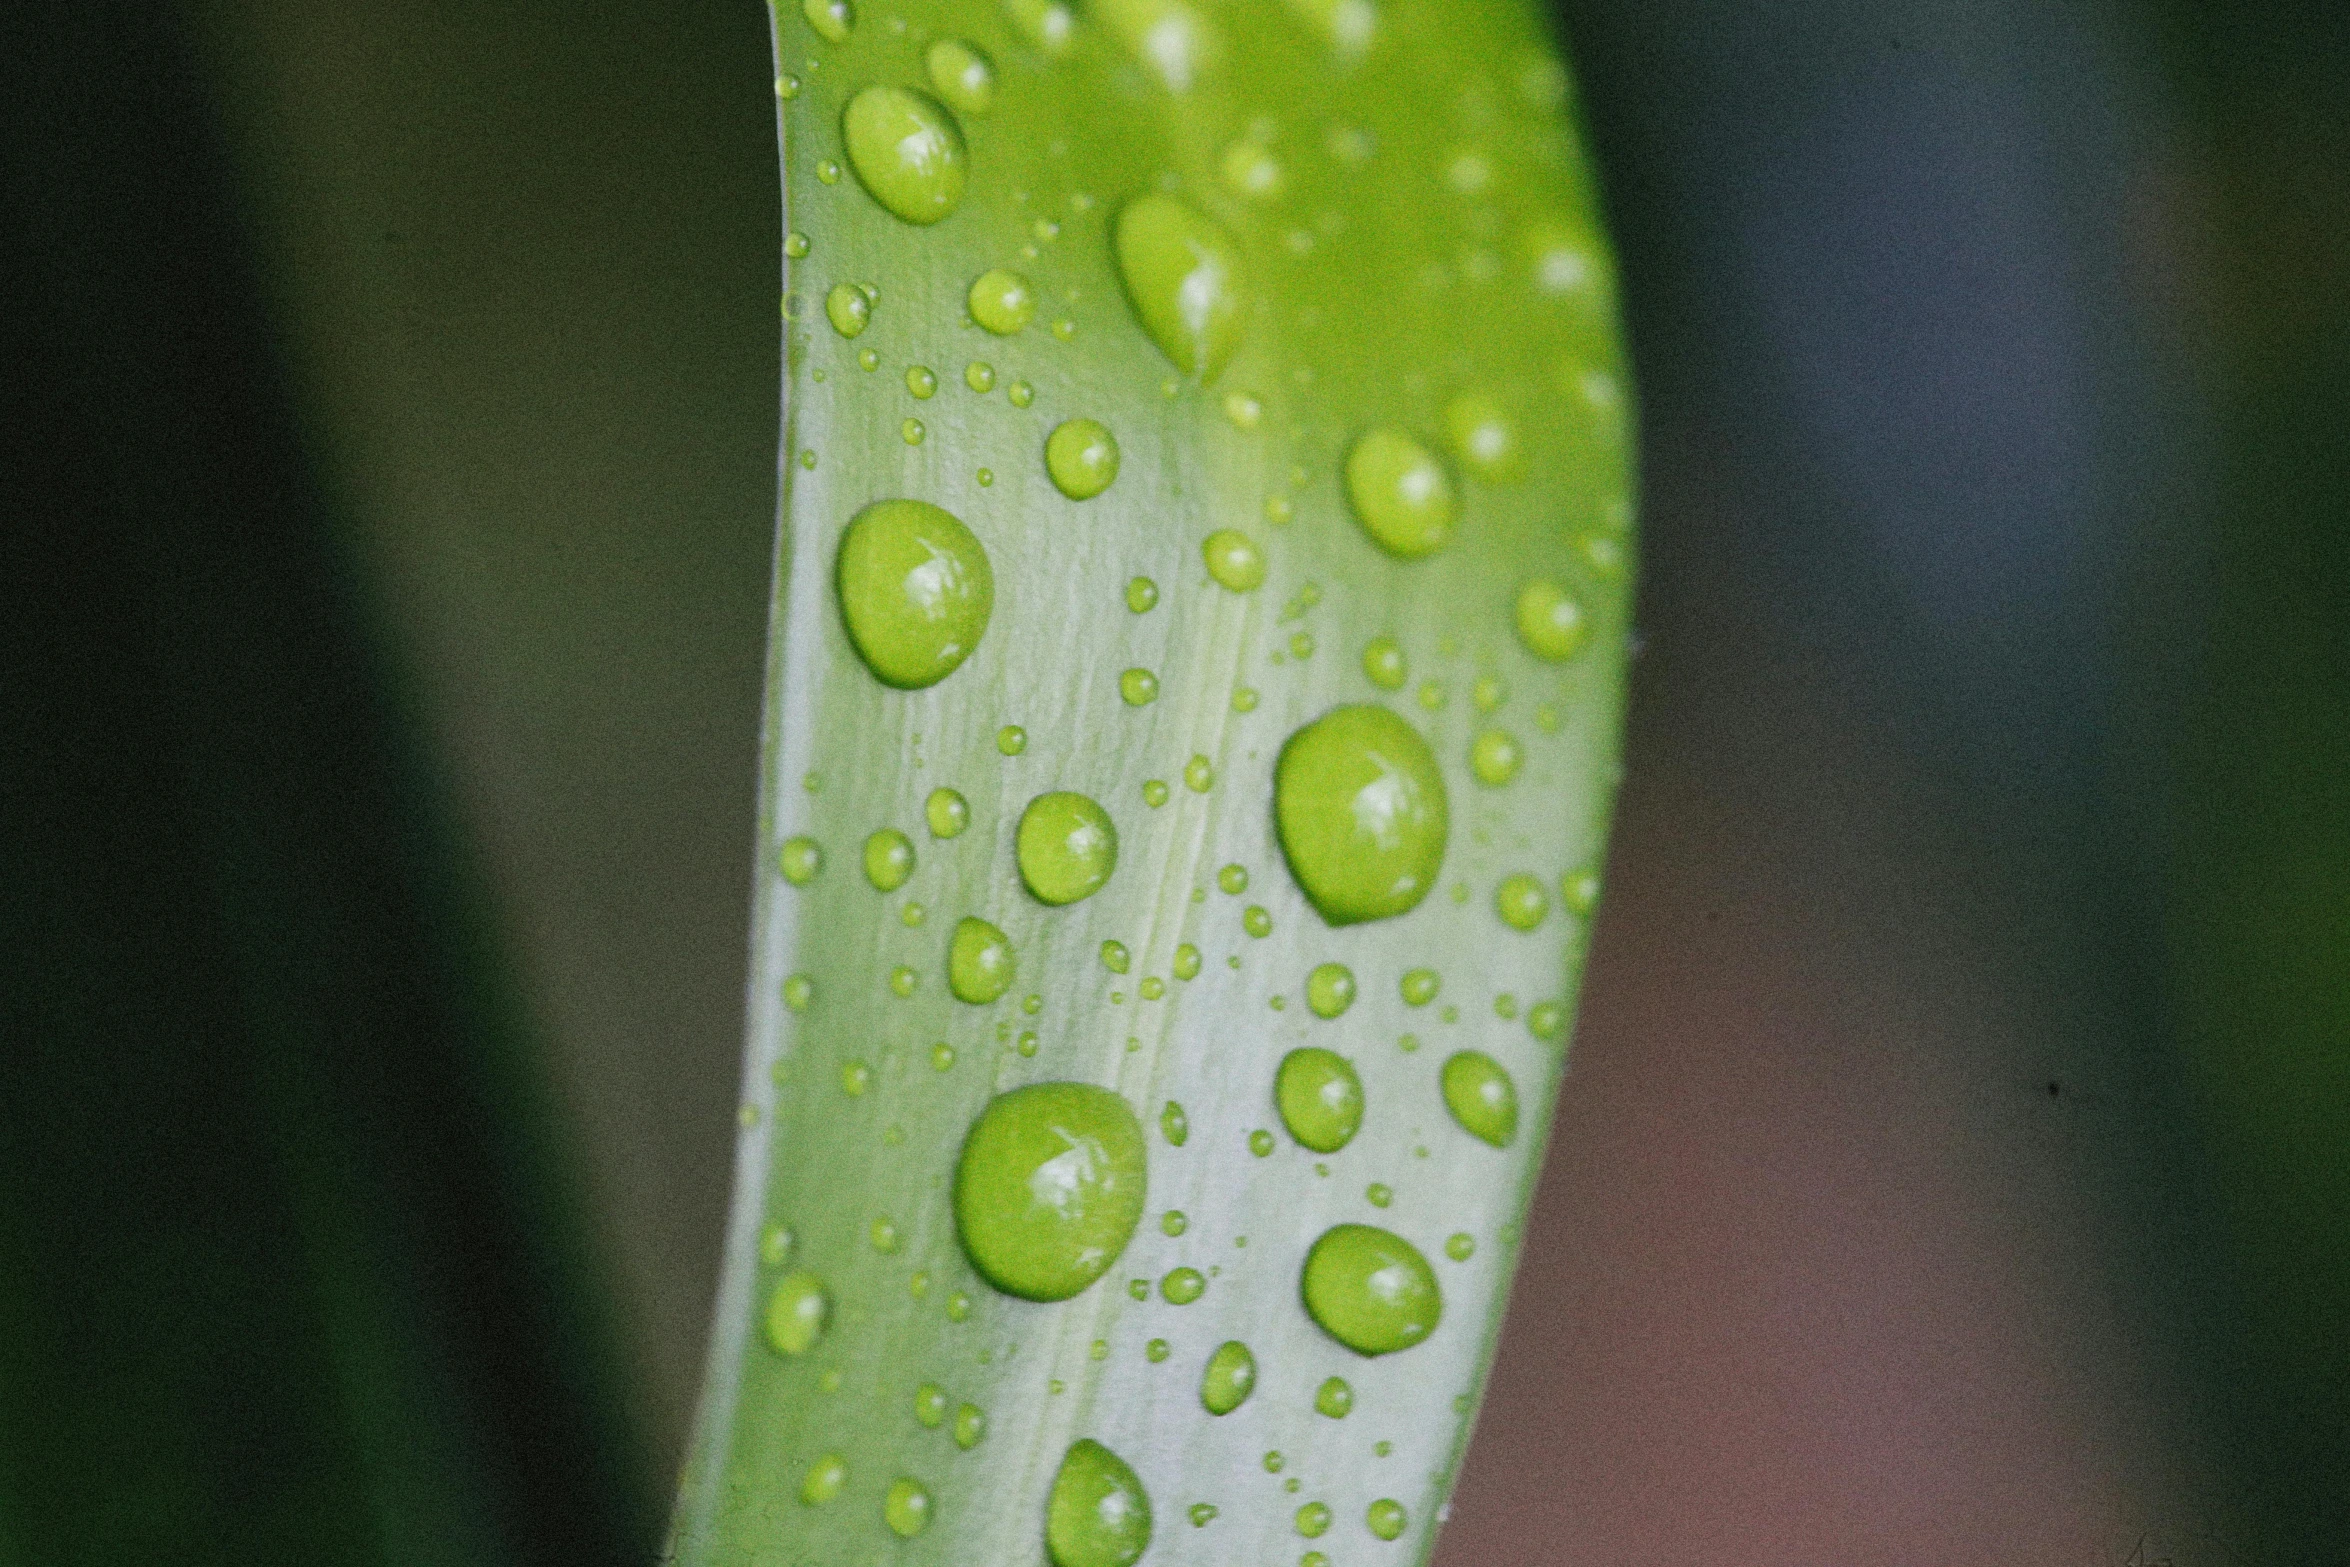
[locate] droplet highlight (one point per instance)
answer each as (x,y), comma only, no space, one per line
(1330,990)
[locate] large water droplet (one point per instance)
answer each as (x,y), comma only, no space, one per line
(1400,493)
(1361,813)
(1370,1289)
(889,859)
(1067,847)
(915,590)
(907,150)
(1002,301)
(1082,457)
(979,961)
(1550,622)
(1230,1377)
(1320,1098)
(1330,989)
(961,74)
(1234,560)
(906,1509)
(1098,1514)
(1480,1095)
(797,1313)
(1186,281)
(1049,1188)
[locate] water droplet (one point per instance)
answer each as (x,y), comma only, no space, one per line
(889,859)
(958,1306)
(1334,1398)
(1082,457)
(884,1235)
(1233,879)
(1273,1462)
(1330,989)
(833,20)
(1495,757)
(1011,740)
(970,1427)
(1256,921)
(1139,687)
(787,86)
(1550,622)
(1115,957)
(795,245)
(1230,1377)
(1064,329)
(1157,1350)
(1244,700)
(1400,493)
(1142,595)
(906,1509)
(1481,1097)
(942,1057)
(980,377)
(1251,170)
(921,381)
(1580,890)
(1234,560)
(1138,1289)
(1383,664)
(930,1405)
(797,1313)
(1021,394)
(775,1244)
(1185,279)
(1199,775)
(1027,1044)
(855,1078)
(1419,987)
(800,859)
(1098,1514)
(1387,1518)
(1484,439)
(1182,1286)
(1521,902)
(827,171)
(1546,1020)
(1154,792)
(1320,1098)
(1173,1222)
(824,1480)
(961,75)
(1049,26)
(912,432)
(1371,1289)
(1002,302)
(915,590)
(907,151)
(1260,1143)
(847,308)
(1361,813)
(947,812)
(903,981)
(1202,1514)
(1049,1188)
(1067,847)
(985,476)
(979,962)
(1243,410)
(1489,692)
(868,358)
(1313,1520)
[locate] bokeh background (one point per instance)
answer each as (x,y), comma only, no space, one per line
(1955,1163)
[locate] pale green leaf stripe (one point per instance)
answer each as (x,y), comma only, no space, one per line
(1395,185)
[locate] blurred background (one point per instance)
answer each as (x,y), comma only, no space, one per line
(1955,1164)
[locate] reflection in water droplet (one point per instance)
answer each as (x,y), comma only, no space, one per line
(1182,1286)
(1260,1143)
(1481,1097)
(1002,302)
(915,591)
(921,381)
(889,859)
(1320,1098)
(847,308)
(1049,1188)
(970,1427)
(1484,439)
(1370,1289)
(1419,987)
(1142,595)
(1199,775)
(907,151)
(1313,1520)
(1256,921)
(1233,879)
(1495,756)
(1115,957)
(1155,792)
(1185,279)
(1230,1377)
(1098,1514)
(1383,664)
(1361,813)
(1067,847)
(930,1405)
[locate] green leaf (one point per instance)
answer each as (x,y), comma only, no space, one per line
(1196,682)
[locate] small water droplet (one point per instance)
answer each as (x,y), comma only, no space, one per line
(942,1057)
(1199,775)
(824,1480)
(1142,595)
(1260,1143)
(916,591)
(1186,281)
(1313,1520)
(797,1312)
(1049,1188)
(1011,740)
(847,308)
(1387,1518)
(884,1235)
(1361,813)
(1579,890)
(1419,986)
(1244,410)
(979,376)
(1021,394)
(1251,171)
(889,859)
(827,172)
(1233,879)
(1460,1246)
(906,1509)
(1495,757)
(1383,664)
(1546,1020)
(1273,1462)
(1139,687)
(1481,1097)
(970,1427)
(907,150)
(961,75)
(800,859)
(787,86)
(1484,438)
(912,431)
(1330,989)
(1067,847)
(1230,1376)
(1256,920)
(1027,1043)
(903,981)
(868,358)
(1202,1514)
(1521,902)
(947,812)
(1550,622)
(930,1405)
(1098,1514)
(775,1244)
(921,381)
(979,962)
(1049,25)
(1234,560)
(1002,302)
(1186,964)
(1400,493)
(1370,1289)
(833,20)
(795,245)
(1081,456)
(1320,1098)
(958,1306)
(1182,1286)
(855,1078)
(1157,1350)
(1155,792)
